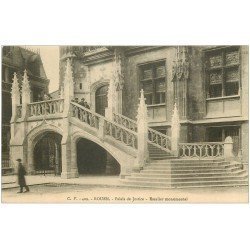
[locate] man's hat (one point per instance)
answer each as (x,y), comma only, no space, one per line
(18,159)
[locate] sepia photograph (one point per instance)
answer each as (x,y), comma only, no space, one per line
(125,124)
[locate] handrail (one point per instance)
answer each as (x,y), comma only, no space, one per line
(109,128)
(125,121)
(46,101)
(159,139)
(154,137)
(159,133)
(120,133)
(86,109)
(118,125)
(49,107)
(85,115)
(201,150)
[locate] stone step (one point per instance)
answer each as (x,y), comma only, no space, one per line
(174,163)
(209,170)
(178,165)
(190,174)
(175,180)
(194,168)
(191,161)
(191,185)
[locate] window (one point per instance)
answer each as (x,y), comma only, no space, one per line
(80,85)
(223,72)
(153,82)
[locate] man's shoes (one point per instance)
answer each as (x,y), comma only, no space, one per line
(26,191)
(19,192)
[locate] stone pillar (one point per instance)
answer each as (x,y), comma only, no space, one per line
(25,95)
(118,76)
(69,165)
(101,128)
(111,101)
(68,88)
(175,131)
(228,148)
(69,168)
(15,97)
(142,125)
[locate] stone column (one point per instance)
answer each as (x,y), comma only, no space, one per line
(25,95)
(68,88)
(119,67)
(69,169)
(111,101)
(142,125)
(175,131)
(228,148)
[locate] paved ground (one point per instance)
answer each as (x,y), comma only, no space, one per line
(50,189)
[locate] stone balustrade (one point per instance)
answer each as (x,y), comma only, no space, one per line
(42,108)
(159,140)
(107,128)
(201,150)
(122,134)
(125,121)
(85,115)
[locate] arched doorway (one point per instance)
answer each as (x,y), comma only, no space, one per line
(47,154)
(101,99)
(92,159)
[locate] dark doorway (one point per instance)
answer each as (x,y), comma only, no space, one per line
(219,134)
(101,99)
(47,154)
(92,159)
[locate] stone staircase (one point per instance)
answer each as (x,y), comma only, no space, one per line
(183,173)
(156,153)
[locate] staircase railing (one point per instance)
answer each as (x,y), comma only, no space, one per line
(201,150)
(109,128)
(156,138)
(121,134)
(85,115)
(48,107)
(125,121)
(160,140)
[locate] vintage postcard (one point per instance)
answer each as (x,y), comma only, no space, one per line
(125,124)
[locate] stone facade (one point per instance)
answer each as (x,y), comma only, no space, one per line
(17,59)
(182,87)
(186,83)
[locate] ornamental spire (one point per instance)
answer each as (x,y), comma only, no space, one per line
(175,130)
(142,109)
(68,81)
(15,92)
(25,88)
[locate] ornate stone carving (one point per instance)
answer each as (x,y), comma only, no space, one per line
(232,75)
(215,61)
(25,88)
(180,69)
(118,69)
(232,58)
(215,77)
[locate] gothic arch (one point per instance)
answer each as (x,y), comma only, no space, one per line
(94,87)
(33,137)
(78,135)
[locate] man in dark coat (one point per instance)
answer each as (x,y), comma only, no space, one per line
(21,177)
